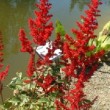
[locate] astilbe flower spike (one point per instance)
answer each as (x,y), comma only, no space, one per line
(75,61)
(40,27)
(26,44)
(31,65)
(80,65)
(40,30)
(26,47)
(4,73)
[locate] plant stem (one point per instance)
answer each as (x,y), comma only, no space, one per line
(105,39)
(1,88)
(2,98)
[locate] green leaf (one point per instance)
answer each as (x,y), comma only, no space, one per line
(59,29)
(16,82)
(107,47)
(12,86)
(52,108)
(7,105)
(13,81)
(15,100)
(24,98)
(19,75)
(43,100)
(104,38)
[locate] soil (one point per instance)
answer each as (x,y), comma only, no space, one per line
(99,85)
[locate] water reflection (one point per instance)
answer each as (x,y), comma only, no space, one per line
(13,15)
(80,4)
(107,2)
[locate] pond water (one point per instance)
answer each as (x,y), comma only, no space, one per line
(14,14)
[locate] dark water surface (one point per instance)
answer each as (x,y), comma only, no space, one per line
(14,14)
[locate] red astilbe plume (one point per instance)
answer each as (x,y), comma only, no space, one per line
(40,30)
(80,65)
(76,50)
(26,47)
(26,44)
(40,27)
(4,73)
(31,65)
(46,82)
(89,24)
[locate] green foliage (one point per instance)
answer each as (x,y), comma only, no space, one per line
(26,96)
(59,29)
(104,38)
(102,42)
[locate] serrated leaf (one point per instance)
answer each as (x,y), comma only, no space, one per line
(24,98)
(19,75)
(13,80)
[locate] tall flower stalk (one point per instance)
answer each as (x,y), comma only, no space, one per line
(40,27)
(40,30)
(80,65)
(78,60)
(4,73)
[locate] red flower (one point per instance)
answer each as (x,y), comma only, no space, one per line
(60,105)
(47,81)
(26,44)
(76,62)
(31,65)
(79,65)
(4,73)
(40,27)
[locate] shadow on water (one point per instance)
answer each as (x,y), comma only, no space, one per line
(80,4)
